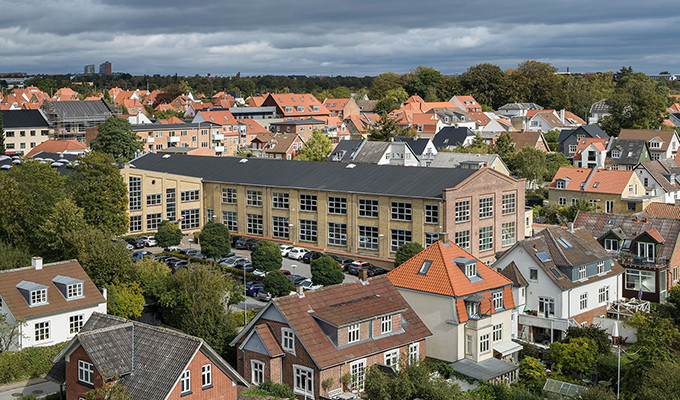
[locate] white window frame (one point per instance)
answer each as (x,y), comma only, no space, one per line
(497,300)
(357,371)
(85,372)
(497,333)
(486,207)
(206,375)
(75,322)
(583,301)
(353,333)
(603,294)
(41,331)
(256,372)
(288,340)
(484,343)
(308,389)
(185,382)
(582,272)
(391,358)
(413,353)
(74,290)
(38,296)
(385,324)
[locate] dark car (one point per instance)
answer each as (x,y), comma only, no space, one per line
(233,239)
(194,253)
(296,279)
(241,243)
(137,243)
(160,258)
(171,261)
(309,256)
(353,268)
(250,243)
(285,272)
(375,271)
(248,267)
(181,264)
(253,287)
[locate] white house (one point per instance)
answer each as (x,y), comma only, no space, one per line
(662,143)
(660,178)
(466,305)
(54,300)
(570,279)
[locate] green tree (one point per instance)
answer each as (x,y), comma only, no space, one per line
(660,382)
(11,230)
(13,257)
(449,86)
(575,358)
(532,374)
(593,332)
(382,84)
(97,187)
(477,146)
(326,271)
(278,284)
(2,137)
(536,82)
(168,234)
(214,239)
(389,128)
(317,148)
(505,147)
(410,382)
(149,274)
(65,219)
(104,260)
(113,390)
(266,256)
(529,163)
(10,332)
(487,83)
(553,162)
(406,251)
(657,340)
(125,300)
(597,392)
(117,138)
(386,106)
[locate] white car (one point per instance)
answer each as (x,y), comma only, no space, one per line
(259,272)
(285,250)
(296,253)
(307,284)
(149,241)
(263,296)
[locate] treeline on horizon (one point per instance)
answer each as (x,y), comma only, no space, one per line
(531,82)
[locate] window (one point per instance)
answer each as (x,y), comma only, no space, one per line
(509,203)
(303,379)
(135,193)
(75,322)
(431,213)
(254,198)
(646,251)
(308,230)
(600,267)
(170,204)
(337,234)
(386,324)
(497,333)
(508,233)
(85,372)
(308,202)
(485,207)
(463,239)
(368,208)
(38,297)
(560,184)
(472,309)
(74,290)
(353,333)
(603,294)
(572,148)
(280,200)
(191,218)
(206,376)
(468,345)
(280,229)
(185,381)
(497,300)
(154,199)
(636,280)
(152,221)
(611,244)
(583,301)
(413,353)
(546,306)
(230,219)
(392,358)
(562,201)
(485,238)
(401,211)
(484,343)
(256,372)
(368,237)
(135,223)
(288,340)
(255,224)
(399,237)
(616,153)
(42,331)
(463,211)
(675,277)
(357,370)
(337,205)
(431,238)
(533,274)
(582,273)
(189,195)
(229,195)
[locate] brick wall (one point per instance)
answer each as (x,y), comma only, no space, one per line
(588,315)
(75,390)
(222,387)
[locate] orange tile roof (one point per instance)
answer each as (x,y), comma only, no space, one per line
(335,104)
(164,107)
(294,100)
(252,126)
(220,117)
(171,120)
(93,98)
(655,235)
(414,99)
(602,180)
(531,113)
(479,117)
(583,143)
(269,340)
(568,115)
(256,101)
(662,210)
(56,146)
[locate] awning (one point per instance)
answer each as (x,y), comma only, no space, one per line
(506,348)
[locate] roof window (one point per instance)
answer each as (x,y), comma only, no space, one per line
(543,256)
(425,267)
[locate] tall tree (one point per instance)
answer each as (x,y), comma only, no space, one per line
(487,83)
(214,240)
(125,300)
(278,284)
(382,84)
(326,271)
(117,138)
(97,187)
(317,148)
(389,128)
(406,251)
(266,255)
(529,163)
(168,234)
(65,219)
(103,259)
(536,82)
(505,147)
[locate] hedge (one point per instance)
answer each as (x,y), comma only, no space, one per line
(28,363)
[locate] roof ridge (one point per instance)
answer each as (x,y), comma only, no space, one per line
(52,264)
(558,248)
(440,244)
(105,329)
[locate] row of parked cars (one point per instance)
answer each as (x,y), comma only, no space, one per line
(349,265)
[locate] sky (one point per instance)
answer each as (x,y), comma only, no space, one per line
(349,37)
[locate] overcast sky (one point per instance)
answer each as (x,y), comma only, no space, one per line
(348,37)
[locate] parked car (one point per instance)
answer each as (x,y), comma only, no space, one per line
(353,268)
(160,258)
(136,242)
(263,296)
(250,243)
(171,261)
(233,239)
(172,248)
(296,279)
(285,272)
(307,284)
(285,249)
(296,253)
(241,243)
(194,253)
(253,287)
(235,262)
(180,264)
(259,272)
(138,255)
(149,241)
(248,267)
(309,256)
(375,271)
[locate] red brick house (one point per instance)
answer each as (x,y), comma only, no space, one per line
(323,335)
(342,108)
(153,363)
(295,106)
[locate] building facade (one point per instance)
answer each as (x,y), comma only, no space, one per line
(24,130)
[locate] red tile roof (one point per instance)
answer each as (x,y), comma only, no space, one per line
(221,117)
(56,146)
(655,235)
(662,210)
(602,181)
(336,104)
(600,144)
(252,126)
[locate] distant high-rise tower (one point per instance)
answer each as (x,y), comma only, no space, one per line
(89,69)
(105,68)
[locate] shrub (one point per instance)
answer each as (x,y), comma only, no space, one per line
(266,256)
(278,284)
(168,234)
(406,251)
(27,363)
(326,271)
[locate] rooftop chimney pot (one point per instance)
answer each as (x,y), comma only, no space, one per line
(37,263)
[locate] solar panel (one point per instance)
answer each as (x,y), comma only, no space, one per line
(543,256)
(564,242)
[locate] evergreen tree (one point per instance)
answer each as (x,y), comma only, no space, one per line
(2,137)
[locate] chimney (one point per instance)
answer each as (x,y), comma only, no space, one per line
(363,275)
(571,227)
(444,237)
(36,262)
(636,220)
(562,115)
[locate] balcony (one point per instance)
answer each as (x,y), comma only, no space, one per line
(477,324)
(173,139)
(219,149)
(218,136)
(560,324)
(643,261)
(150,140)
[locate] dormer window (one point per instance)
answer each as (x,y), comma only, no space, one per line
(616,153)
(497,300)
(472,308)
(560,184)
(38,297)
(471,270)
(353,333)
(74,290)
(611,244)
(385,324)
(646,250)
(69,287)
(655,144)
(288,340)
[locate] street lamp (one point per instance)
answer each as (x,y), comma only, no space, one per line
(245,299)
(293,266)
(190,242)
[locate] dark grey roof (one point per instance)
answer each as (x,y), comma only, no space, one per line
(592,131)
(484,370)
(371,152)
(65,110)
(167,127)
(451,136)
(631,151)
(418,145)
(13,119)
(520,106)
(151,368)
(661,171)
(345,150)
(388,180)
(600,107)
(308,121)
